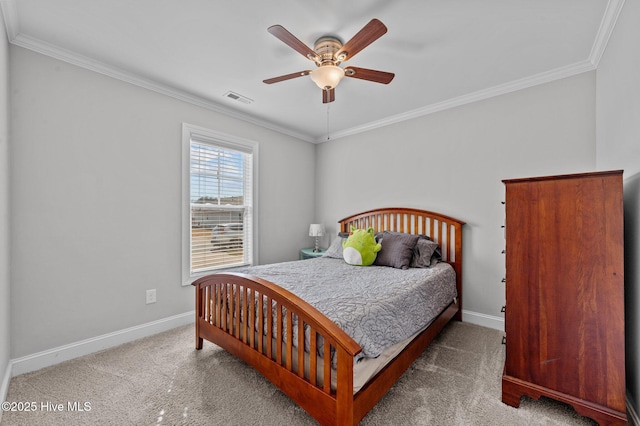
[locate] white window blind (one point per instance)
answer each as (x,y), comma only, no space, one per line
(221,193)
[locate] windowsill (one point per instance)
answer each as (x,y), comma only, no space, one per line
(226,268)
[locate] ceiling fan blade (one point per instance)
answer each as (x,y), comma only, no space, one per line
(286,77)
(290,40)
(367,35)
(369,75)
(328,96)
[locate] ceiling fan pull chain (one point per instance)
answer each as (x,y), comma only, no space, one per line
(328,105)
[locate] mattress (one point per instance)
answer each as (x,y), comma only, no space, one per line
(377,306)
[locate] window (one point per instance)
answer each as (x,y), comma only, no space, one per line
(218,201)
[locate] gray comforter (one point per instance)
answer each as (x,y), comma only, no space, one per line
(377,306)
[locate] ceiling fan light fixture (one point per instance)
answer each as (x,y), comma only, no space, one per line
(328,53)
(327,77)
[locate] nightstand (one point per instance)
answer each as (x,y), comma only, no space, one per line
(308,253)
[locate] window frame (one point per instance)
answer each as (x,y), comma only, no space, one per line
(222,140)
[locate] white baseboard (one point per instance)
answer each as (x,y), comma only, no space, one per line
(60,354)
(4,386)
(85,347)
(498,324)
(632,414)
(484,320)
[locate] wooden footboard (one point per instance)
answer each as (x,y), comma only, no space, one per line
(232,310)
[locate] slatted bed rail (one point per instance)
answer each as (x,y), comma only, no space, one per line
(233,309)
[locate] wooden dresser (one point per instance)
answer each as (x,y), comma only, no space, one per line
(564,315)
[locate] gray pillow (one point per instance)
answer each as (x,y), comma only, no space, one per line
(426,253)
(335,249)
(397,249)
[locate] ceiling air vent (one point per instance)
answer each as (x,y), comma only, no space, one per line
(236,97)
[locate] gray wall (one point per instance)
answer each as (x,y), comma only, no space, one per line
(618,146)
(4,206)
(96,201)
(90,154)
(453,162)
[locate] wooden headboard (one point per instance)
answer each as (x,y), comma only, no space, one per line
(442,229)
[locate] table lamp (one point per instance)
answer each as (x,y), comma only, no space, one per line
(316,230)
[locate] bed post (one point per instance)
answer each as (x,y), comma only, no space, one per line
(199,313)
(344,396)
(458,267)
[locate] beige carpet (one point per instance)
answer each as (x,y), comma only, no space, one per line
(163,380)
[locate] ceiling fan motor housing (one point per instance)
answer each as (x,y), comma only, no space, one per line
(326,47)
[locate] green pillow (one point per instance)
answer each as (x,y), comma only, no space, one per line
(361,247)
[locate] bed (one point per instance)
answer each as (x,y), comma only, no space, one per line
(299,348)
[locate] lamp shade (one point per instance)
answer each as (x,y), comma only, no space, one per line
(316,230)
(327,76)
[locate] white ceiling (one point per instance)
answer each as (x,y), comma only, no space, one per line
(444,52)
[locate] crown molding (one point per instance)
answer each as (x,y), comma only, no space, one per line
(610,17)
(608,23)
(10,13)
(85,62)
(480,95)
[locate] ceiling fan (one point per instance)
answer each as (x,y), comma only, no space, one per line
(328,52)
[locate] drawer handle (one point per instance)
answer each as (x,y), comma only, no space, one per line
(504,309)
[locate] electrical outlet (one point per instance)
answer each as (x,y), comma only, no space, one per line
(151,296)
